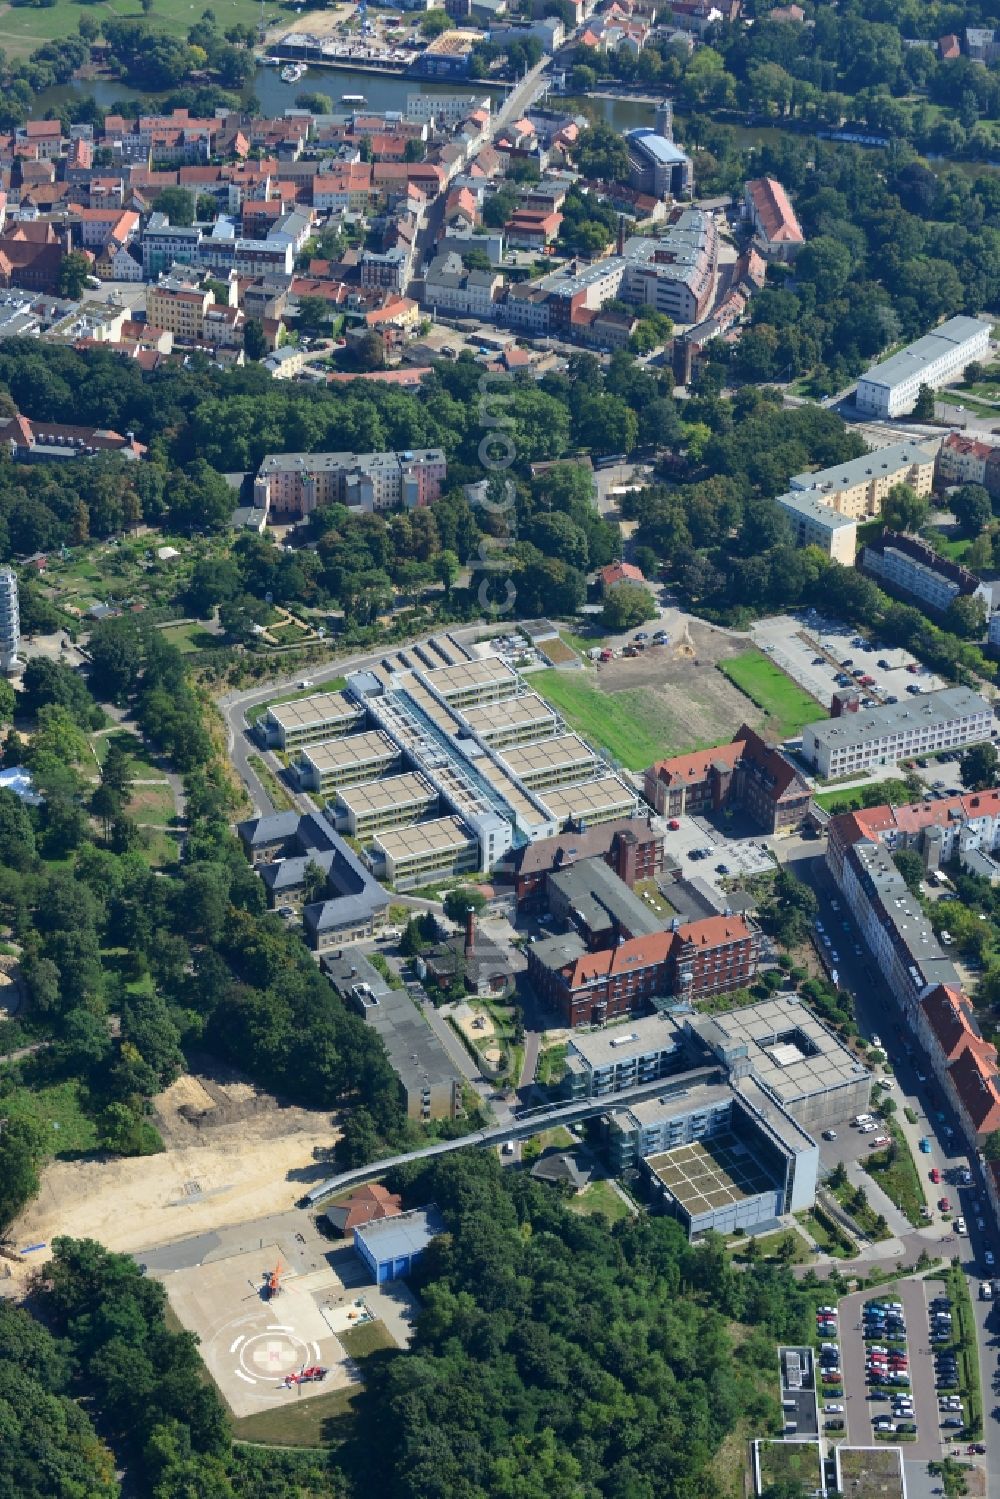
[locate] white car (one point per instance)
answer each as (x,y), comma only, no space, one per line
(835,1410)
(876,1040)
(960,1227)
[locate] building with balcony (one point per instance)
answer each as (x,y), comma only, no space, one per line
(909,566)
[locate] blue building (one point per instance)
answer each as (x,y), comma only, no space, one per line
(391,1247)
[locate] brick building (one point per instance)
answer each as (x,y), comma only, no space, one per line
(747,774)
(692,961)
(630,846)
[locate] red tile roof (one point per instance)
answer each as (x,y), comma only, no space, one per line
(621,572)
(949,1016)
(776,214)
(974,1079)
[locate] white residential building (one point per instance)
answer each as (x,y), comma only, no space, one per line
(890,388)
(858,742)
(10,620)
(816,524)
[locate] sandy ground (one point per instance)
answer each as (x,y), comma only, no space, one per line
(684,697)
(238,1175)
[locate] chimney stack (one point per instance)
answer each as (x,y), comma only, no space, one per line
(470,930)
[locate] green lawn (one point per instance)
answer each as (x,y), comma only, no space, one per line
(954,548)
(896,1173)
(279,794)
(138,764)
(785,703)
(22,30)
(370,1337)
(624,723)
(188,638)
(601,1197)
(316,1422)
(791,1462)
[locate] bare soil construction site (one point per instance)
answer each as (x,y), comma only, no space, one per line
(233,1154)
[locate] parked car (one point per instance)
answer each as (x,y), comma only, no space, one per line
(935,1175)
(829,1134)
(925,1146)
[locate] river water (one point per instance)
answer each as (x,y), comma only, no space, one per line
(382,91)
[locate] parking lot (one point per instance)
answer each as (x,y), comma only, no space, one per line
(889,1373)
(740,856)
(815,651)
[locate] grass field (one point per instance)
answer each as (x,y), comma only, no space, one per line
(896,1173)
(600,1197)
(784,702)
(370,1337)
(316,1422)
(793,1462)
(188,638)
(58,1109)
(952,547)
(636,727)
(22,30)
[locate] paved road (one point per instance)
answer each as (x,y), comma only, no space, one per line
(877,1013)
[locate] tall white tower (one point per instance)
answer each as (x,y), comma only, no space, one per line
(10,620)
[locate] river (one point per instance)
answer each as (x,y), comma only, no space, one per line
(383,91)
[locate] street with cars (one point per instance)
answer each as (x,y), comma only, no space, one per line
(956,1225)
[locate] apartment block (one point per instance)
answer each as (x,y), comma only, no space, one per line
(910,566)
(963,460)
(858,488)
(816,524)
(891,387)
(857,742)
(295,484)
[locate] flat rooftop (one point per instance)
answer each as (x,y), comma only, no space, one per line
(492,718)
(676,1100)
(637,1038)
(305,712)
(391,791)
(811,504)
(588,798)
(931,708)
(544,755)
(487,671)
(350,751)
(909,362)
(436,836)
(405,1234)
(792,1054)
(710,1174)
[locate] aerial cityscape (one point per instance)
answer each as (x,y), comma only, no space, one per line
(500,753)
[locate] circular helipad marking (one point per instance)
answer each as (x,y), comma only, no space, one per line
(272,1355)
